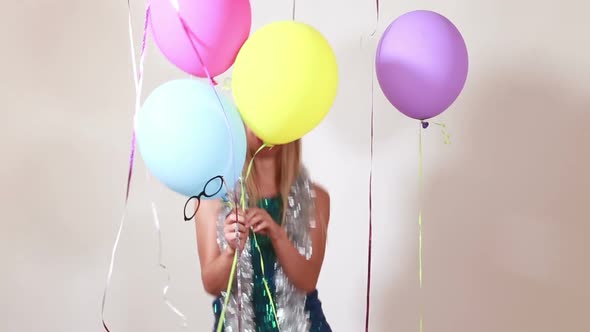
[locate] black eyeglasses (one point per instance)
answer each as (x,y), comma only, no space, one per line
(212,188)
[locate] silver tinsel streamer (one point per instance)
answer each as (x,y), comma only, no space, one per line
(290,302)
(299,218)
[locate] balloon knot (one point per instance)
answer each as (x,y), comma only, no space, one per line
(425,124)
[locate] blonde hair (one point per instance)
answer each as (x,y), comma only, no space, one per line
(289,168)
(289,165)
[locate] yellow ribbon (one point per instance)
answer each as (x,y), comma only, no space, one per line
(447,140)
(445,133)
(228,290)
(235,261)
(421,175)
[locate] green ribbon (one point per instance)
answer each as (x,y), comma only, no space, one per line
(421,175)
(235,261)
(446,140)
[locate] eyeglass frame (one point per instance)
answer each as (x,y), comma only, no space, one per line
(203,194)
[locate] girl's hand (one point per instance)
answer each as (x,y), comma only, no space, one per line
(262,223)
(235,219)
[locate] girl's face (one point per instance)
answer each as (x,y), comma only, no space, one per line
(254,143)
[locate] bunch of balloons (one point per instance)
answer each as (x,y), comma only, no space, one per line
(284,82)
(285,79)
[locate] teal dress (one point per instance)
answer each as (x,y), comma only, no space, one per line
(263,314)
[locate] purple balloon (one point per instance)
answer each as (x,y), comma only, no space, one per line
(421,64)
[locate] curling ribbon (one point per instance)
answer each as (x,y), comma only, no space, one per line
(372,143)
(231,278)
(294,4)
(370,245)
(423,125)
(153,205)
(228,290)
(239,276)
(377,16)
(138,81)
(161,260)
(243,203)
(444,132)
(446,138)
(190,35)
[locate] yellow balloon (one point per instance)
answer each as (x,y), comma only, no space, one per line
(284,81)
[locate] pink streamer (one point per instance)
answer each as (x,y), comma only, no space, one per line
(190,35)
(372,139)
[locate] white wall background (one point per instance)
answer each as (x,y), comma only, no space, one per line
(506,205)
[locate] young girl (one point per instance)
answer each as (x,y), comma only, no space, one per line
(287,216)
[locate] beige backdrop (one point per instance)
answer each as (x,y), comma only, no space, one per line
(506,205)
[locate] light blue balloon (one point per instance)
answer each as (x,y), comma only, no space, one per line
(184,139)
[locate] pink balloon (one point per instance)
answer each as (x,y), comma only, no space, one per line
(218,29)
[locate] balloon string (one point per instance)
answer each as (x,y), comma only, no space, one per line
(444,132)
(190,35)
(421,179)
(377,17)
(164,268)
(447,140)
(228,291)
(248,173)
(265,282)
(293,7)
(372,144)
(110,272)
(239,282)
(243,201)
(138,81)
(370,243)
(161,260)
(231,279)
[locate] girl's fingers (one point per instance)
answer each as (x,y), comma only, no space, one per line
(259,225)
(231,229)
(250,213)
(254,214)
(234,217)
(230,219)
(254,221)
(233,239)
